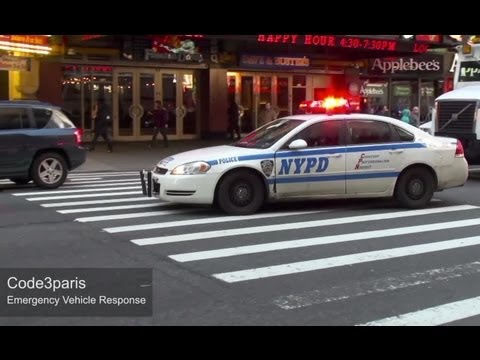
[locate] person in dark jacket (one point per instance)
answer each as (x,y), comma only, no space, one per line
(102,125)
(160,123)
(233,117)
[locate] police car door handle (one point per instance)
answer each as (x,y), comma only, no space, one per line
(396,151)
(334,156)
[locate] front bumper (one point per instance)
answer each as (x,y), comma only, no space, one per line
(188,189)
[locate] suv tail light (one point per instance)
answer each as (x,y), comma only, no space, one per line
(459,150)
(78,136)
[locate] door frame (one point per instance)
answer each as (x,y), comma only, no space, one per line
(180,110)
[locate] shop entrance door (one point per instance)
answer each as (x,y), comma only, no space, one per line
(136,91)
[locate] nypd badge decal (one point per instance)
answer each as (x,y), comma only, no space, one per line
(267,167)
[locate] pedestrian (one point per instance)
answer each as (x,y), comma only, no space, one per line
(102,122)
(233,117)
(266,115)
(415,116)
(384,111)
(160,123)
(406,116)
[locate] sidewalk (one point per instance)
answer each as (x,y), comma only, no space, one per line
(128,156)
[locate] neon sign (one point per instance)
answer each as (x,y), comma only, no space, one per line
(351,42)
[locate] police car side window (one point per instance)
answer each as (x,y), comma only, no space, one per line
(370,132)
(322,134)
(404,135)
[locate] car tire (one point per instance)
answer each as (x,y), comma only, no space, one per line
(20,181)
(42,173)
(415,188)
(241,193)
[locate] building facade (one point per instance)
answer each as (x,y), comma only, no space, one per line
(195,76)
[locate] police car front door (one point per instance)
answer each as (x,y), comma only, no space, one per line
(374,157)
(318,169)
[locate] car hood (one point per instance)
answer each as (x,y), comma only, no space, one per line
(213,155)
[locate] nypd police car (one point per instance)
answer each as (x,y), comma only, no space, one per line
(320,155)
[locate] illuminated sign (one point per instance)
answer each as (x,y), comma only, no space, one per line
(425,64)
(430,38)
(14,63)
(91,37)
(469,71)
(88,68)
(351,42)
(27,39)
(273,61)
(37,44)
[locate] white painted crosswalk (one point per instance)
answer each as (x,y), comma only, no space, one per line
(275,243)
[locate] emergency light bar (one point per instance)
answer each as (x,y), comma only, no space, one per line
(328,105)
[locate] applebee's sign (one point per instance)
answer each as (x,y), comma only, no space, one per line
(420,64)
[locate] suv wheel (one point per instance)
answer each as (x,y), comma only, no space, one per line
(49,170)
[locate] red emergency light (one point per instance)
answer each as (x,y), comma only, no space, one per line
(330,104)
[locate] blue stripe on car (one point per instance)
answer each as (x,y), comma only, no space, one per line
(302,179)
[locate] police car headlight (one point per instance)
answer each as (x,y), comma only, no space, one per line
(193,168)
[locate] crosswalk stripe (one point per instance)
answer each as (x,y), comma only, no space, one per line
(102,185)
(213,220)
(434,316)
(75,191)
(334,239)
(296,225)
(112,182)
(45,198)
(84,179)
(79,174)
(337,261)
(106,175)
(110,208)
(347,291)
(135,215)
(101,201)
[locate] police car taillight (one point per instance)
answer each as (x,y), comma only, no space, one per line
(459,150)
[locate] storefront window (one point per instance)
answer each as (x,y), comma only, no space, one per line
(72,96)
(299,92)
(427,100)
(169,93)
(189,102)
(282,96)
(147,101)
(374,96)
(404,95)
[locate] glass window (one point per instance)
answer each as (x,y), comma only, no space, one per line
(42,117)
(370,132)
(189,101)
(13,118)
(325,133)
(404,96)
(268,134)
(403,134)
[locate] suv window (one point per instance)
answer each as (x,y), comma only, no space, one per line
(370,132)
(14,118)
(47,119)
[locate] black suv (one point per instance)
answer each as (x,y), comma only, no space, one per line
(38,142)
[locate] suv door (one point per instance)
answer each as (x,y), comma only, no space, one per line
(15,124)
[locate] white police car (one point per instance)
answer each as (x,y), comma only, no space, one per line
(326,156)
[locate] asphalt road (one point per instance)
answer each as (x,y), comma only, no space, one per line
(298,263)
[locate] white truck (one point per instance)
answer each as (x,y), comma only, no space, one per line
(457,112)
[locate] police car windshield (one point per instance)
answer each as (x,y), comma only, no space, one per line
(269,134)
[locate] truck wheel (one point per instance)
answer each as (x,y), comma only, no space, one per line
(49,170)
(415,188)
(241,193)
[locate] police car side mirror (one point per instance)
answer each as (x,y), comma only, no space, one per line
(298,144)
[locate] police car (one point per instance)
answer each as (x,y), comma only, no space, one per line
(329,155)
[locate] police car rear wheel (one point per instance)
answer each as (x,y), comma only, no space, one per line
(415,188)
(241,193)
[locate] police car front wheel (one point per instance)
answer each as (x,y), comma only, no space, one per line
(241,193)
(415,188)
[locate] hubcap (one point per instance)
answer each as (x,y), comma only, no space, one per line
(416,189)
(241,194)
(50,171)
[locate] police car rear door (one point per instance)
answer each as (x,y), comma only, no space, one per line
(374,156)
(318,169)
